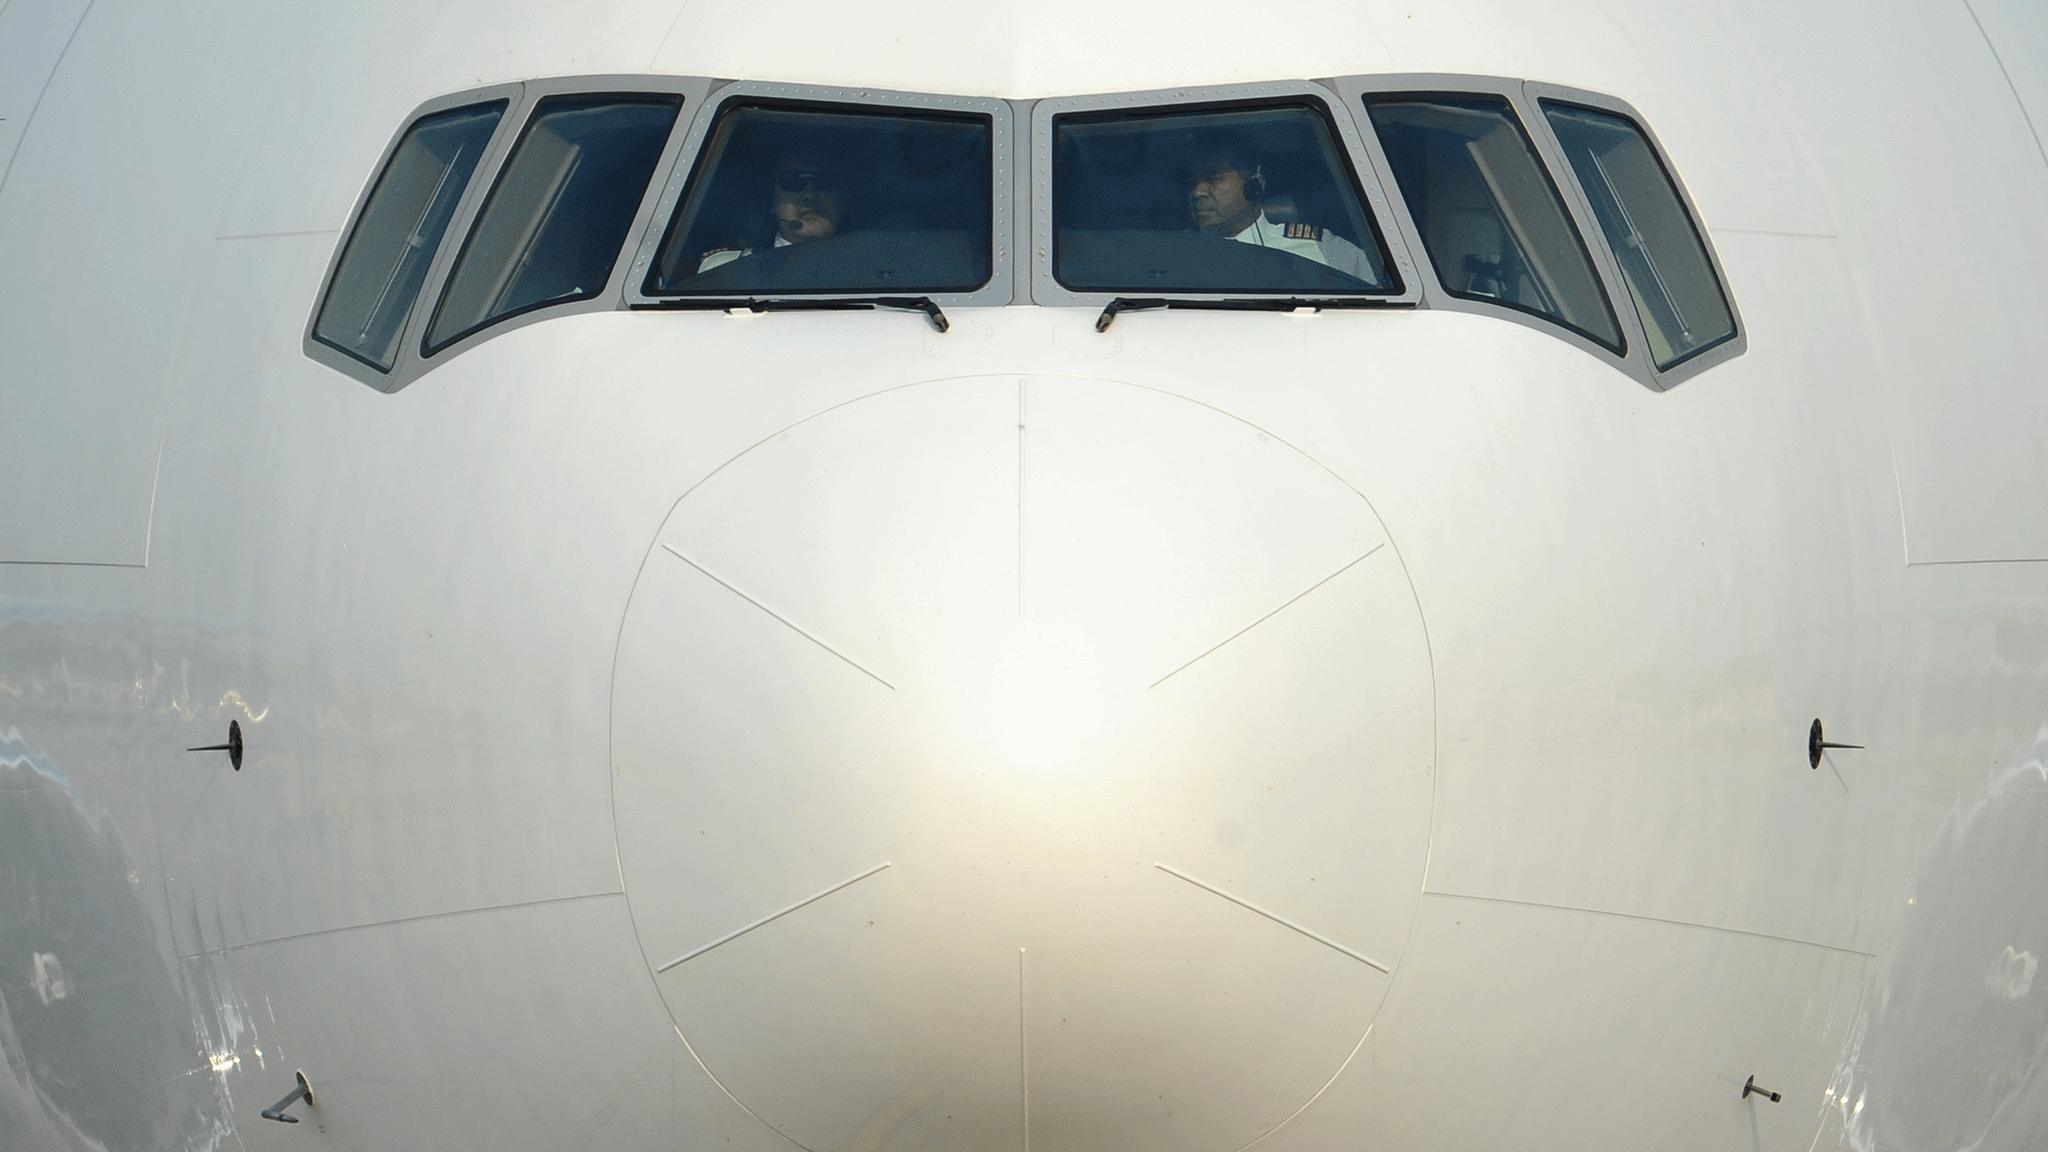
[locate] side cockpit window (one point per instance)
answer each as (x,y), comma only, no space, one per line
(1258,199)
(794,199)
(1494,225)
(385,262)
(551,230)
(1663,258)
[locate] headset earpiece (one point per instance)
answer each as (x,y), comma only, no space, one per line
(1255,184)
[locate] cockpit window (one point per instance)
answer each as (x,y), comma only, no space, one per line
(1662,258)
(551,230)
(1239,200)
(1493,223)
(399,230)
(791,199)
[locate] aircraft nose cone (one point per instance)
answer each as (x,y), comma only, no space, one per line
(1007,753)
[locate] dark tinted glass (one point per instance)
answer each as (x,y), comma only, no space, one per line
(1235,200)
(787,200)
(400,228)
(1662,257)
(1491,219)
(553,226)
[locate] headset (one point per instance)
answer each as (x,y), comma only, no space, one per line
(1255,183)
(1255,194)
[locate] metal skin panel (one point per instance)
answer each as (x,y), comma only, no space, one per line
(2017,34)
(381,808)
(483,725)
(1768,615)
(84,416)
(1724,1006)
(1970,221)
(466,977)
(1056,795)
(34,35)
(1006,50)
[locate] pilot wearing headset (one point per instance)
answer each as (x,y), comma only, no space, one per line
(807,202)
(1227,197)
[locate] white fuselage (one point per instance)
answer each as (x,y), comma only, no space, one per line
(1371,729)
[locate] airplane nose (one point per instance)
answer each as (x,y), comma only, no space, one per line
(996,755)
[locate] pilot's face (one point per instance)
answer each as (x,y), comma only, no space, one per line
(1218,198)
(808,202)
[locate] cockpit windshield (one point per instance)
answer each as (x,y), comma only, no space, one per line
(791,199)
(1237,200)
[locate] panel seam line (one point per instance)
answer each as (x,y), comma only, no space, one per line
(29,121)
(2039,148)
(400,920)
(1650,919)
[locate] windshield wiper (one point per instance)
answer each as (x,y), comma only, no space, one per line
(1240,304)
(924,304)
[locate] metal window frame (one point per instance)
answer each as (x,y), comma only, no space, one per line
(1025,212)
(428,349)
(996,290)
(1022,185)
(1536,92)
(522,100)
(320,350)
(691,91)
(1628,359)
(1046,290)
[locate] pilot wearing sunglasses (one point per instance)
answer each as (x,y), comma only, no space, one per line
(808,203)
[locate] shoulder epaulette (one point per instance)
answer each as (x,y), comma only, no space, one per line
(1304,232)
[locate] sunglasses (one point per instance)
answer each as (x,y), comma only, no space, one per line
(801,180)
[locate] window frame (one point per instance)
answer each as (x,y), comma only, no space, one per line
(1356,90)
(400,372)
(1049,292)
(1024,214)
(690,90)
(1536,92)
(522,99)
(1619,350)
(995,291)
(429,350)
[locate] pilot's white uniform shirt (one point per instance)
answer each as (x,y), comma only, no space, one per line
(1317,244)
(719,256)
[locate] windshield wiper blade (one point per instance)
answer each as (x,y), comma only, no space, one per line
(924,304)
(1239,304)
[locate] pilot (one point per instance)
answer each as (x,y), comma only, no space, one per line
(807,202)
(1227,197)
